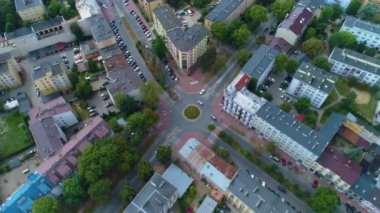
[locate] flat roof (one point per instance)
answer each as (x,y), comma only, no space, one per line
(25,4)
(167,17)
(352,22)
(55,68)
(316,77)
(223,10)
(178,178)
(18,33)
(355,59)
(100,27)
(208,205)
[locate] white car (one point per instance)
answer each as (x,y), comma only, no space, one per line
(78,61)
(200,103)
(77,57)
(203,91)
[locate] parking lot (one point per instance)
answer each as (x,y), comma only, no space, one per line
(276,85)
(189,19)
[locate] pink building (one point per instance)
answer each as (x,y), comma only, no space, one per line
(60,165)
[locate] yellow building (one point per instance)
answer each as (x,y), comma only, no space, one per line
(149,6)
(9,72)
(49,79)
(30,10)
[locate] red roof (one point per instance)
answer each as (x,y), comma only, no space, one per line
(346,169)
(300,117)
(297,20)
(354,138)
(244,80)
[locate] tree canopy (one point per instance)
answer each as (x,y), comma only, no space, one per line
(100,189)
(159,47)
(144,170)
(243,56)
(77,31)
(9,20)
(291,66)
(126,104)
(321,62)
(324,200)
(150,93)
(255,15)
(287,107)
(282,7)
(302,105)
(72,190)
(353,7)
(312,47)
(240,36)
(342,40)
(46,204)
(127,193)
(369,11)
(280,62)
(164,154)
(83,89)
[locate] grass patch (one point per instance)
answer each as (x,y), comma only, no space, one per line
(368,110)
(80,109)
(211,127)
(330,99)
(342,86)
(14,134)
(192,112)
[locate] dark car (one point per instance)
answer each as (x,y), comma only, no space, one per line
(315,184)
(281,189)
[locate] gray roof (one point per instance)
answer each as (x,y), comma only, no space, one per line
(260,61)
(24,4)
(332,126)
(361,24)
(290,126)
(56,69)
(257,197)
(46,135)
(208,205)
(357,60)
(4,68)
(187,40)
(165,14)
(4,57)
(43,25)
(18,33)
(365,187)
(109,51)
(153,197)
(23,102)
(178,178)
(123,81)
(312,4)
(223,10)
(100,27)
(316,77)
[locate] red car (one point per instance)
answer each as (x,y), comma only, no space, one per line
(315,184)
(283,162)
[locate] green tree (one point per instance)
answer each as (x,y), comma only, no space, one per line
(159,47)
(310,33)
(200,3)
(342,40)
(150,93)
(92,66)
(77,31)
(291,66)
(243,56)
(114,124)
(261,40)
(369,11)
(174,3)
(349,100)
(54,8)
(2,105)
(321,62)
(370,52)
(282,7)
(46,204)
(280,62)
(240,36)
(72,190)
(164,154)
(324,200)
(220,31)
(100,189)
(271,148)
(302,105)
(138,123)
(83,90)
(209,58)
(127,193)
(353,7)
(126,104)
(127,160)
(252,85)
(312,47)
(74,78)
(144,170)
(338,11)
(257,14)
(327,14)
(354,154)
(97,160)
(287,107)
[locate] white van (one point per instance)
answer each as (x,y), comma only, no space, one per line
(25,171)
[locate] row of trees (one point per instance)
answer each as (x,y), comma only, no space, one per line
(236,33)
(284,62)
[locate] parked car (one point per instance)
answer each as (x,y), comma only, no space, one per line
(281,189)
(109,104)
(315,184)
(203,91)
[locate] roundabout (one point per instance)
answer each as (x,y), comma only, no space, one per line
(191,112)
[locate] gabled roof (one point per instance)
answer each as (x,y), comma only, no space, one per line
(297,20)
(43,25)
(360,24)
(223,10)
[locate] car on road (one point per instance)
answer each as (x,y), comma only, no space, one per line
(93,114)
(203,91)
(275,158)
(91,107)
(200,103)
(213,117)
(78,61)
(281,189)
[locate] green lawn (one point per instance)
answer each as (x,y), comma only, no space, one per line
(331,98)
(342,86)
(192,112)
(368,110)
(14,135)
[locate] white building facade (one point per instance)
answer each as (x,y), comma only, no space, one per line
(365,31)
(349,63)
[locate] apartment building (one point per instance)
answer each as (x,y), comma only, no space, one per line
(185,45)
(248,195)
(349,63)
(293,26)
(46,123)
(241,103)
(30,10)
(149,6)
(9,72)
(337,169)
(226,11)
(342,3)
(261,63)
(64,161)
(157,195)
(312,83)
(366,32)
(49,27)
(51,78)
(366,192)
(101,31)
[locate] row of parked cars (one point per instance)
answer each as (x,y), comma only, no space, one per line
(141,23)
(127,53)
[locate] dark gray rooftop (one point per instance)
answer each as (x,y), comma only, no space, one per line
(43,25)
(55,68)
(167,17)
(186,41)
(153,197)
(5,56)
(310,139)
(257,197)
(4,68)
(316,77)
(332,126)
(361,24)
(18,33)
(223,10)
(260,61)
(123,81)
(100,27)
(24,4)
(366,188)
(109,51)
(357,60)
